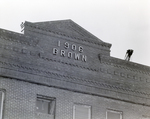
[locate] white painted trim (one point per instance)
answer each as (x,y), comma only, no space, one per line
(89,109)
(114,111)
(2,103)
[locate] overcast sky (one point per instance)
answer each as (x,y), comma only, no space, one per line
(123,23)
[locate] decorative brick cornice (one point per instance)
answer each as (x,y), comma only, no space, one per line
(125,65)
(73,79)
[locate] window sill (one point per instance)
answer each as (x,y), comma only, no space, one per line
(43,116)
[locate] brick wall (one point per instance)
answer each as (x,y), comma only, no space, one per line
(20,102)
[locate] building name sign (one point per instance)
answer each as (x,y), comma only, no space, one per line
(71,51)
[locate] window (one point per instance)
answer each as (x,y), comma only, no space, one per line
(45,105)
(111,114)
(145,117)
(1,103)
(81,111)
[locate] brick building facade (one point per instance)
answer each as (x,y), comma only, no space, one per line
(58,70)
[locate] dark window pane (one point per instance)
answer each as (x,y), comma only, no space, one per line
(42,106)
(46,106)
(52,107)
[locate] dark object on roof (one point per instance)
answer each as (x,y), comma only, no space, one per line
(128,54)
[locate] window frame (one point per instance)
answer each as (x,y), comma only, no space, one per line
(114,111)
(145,117)
(2,103)
(49,100)
(84,105)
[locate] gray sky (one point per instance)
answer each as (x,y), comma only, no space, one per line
(123,23)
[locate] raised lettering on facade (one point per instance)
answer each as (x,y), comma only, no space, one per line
(75,52)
